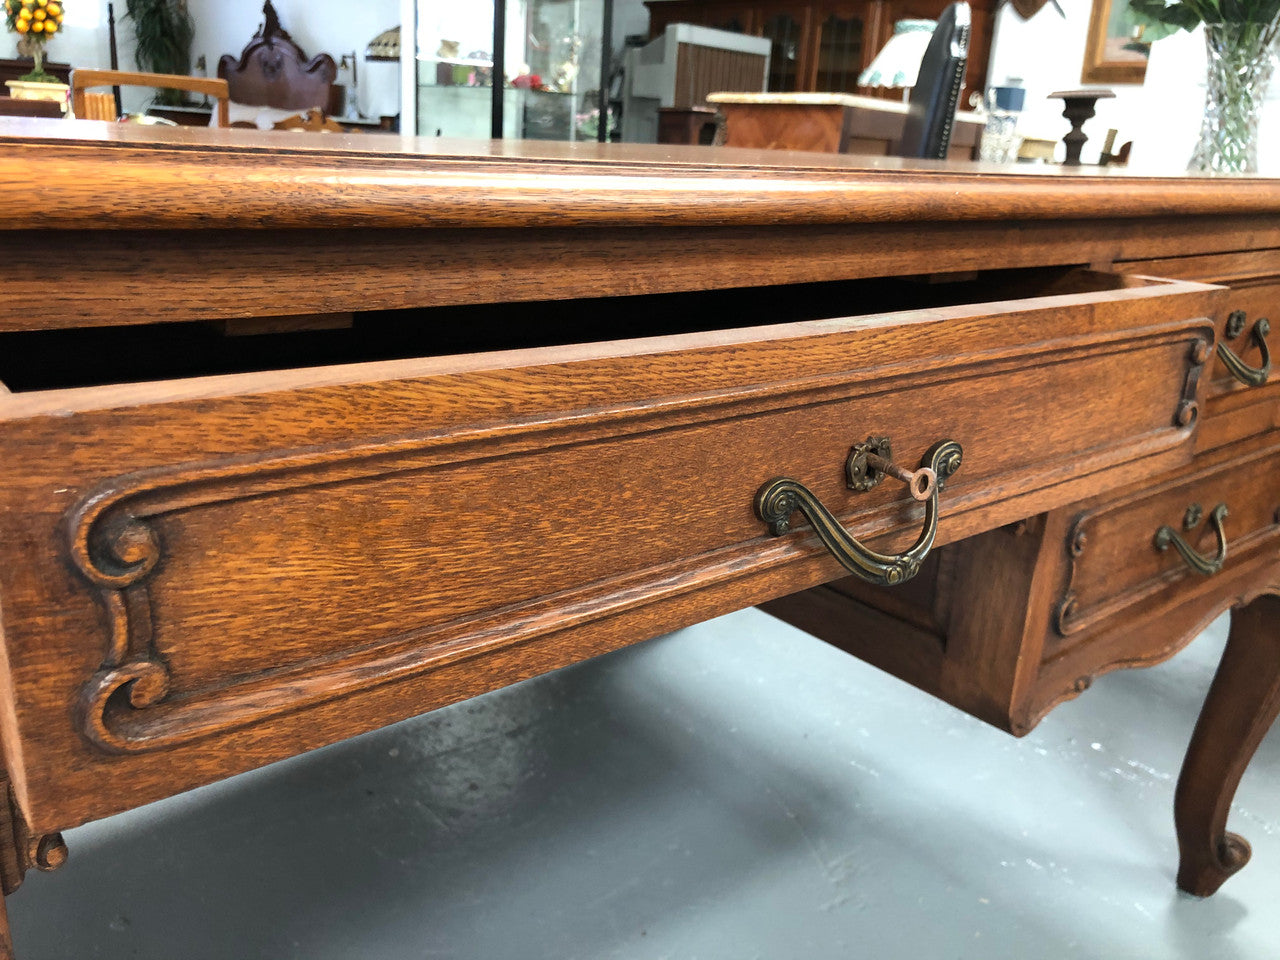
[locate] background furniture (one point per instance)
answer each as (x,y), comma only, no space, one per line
(13,69)
(82,80)
(822,45)
(222,551)
(16,107)
(931,108)
(273,72)
(830,123)
(687,125)
(677,70)
(96,105)
(555,58)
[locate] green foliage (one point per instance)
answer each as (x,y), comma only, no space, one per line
(163,31)
(1162,18)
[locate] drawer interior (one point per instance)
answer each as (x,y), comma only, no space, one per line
(57,359)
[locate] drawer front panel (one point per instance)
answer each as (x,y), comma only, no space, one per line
(1117,560)
(217,576)
(1254,281)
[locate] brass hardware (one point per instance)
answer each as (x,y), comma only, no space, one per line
(1166,537)
(1235,324)
(1249,376)
(866,466)
(869,463)
(1193,516)
(1188,410)
(859,474)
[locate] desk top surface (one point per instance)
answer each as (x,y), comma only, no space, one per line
(112,176)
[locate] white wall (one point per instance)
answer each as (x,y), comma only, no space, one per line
(629,16)
(1161,116)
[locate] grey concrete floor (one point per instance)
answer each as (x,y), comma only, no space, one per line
(734,790)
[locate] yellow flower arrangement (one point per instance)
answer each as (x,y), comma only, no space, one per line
(36,21)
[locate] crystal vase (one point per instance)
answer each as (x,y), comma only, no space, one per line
(1241,60)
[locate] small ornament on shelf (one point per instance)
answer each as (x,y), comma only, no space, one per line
(36,22)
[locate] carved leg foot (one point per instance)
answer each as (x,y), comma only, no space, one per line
(1242,703)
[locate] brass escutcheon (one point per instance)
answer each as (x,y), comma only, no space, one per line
(780,497)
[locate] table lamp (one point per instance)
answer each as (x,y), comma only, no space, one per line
(898,61)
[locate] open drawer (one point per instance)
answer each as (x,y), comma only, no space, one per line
(210,573)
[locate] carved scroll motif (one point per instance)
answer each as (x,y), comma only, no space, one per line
(117,555)
(130,704)
(21,850)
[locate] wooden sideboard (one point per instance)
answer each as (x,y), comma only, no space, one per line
(509,406)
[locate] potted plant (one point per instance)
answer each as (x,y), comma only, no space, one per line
(36,22)
(1240,37)
(163,31)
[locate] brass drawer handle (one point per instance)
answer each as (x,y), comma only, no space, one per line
(1249,376)
(1166,537)
(868,463)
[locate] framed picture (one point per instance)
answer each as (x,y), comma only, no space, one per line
(1114,51)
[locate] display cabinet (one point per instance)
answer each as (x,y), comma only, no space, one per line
(526,69)
(822,45)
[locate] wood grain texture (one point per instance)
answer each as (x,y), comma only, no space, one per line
(185,179)
(208,570)
(279,503)
(217,275)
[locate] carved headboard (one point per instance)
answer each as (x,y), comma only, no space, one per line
(272,70)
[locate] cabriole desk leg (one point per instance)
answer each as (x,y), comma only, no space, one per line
(1241,705)
(20,850)
(6,942)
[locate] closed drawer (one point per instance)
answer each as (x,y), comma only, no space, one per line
(1125,550)
(204,575)
(1243,396)
(1253,277)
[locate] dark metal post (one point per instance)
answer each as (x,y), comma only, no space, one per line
(115,58)
(606,57)
(499,66)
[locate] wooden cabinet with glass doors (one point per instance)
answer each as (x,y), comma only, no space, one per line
(823,45)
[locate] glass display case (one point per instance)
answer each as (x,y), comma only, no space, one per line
(544,84)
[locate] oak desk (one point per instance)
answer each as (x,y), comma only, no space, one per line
(301,437)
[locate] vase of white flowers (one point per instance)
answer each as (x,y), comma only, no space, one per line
(1240,38)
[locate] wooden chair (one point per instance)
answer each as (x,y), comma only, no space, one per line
(97,106)
(931,107)
(209,86)
(273,71)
